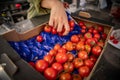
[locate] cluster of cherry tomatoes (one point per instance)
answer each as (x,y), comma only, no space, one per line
(60,63)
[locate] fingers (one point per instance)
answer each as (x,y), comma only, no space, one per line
(60,26)
(67,29)
(51,22)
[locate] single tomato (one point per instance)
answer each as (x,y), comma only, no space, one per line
(52,52)
(57,47)
(39,38)
(88,35)
(49,58)
(93,58)
(84,71)
(83,54)
(78,62)
(47,28)
(97,35)
(57,66)
(76,77)
(81,23)
(65,76)
(61,57)
(69,46)
(74,38)
(68,67)
(104,36)
(95,31)
(50,73)
(96,50)
(91,41)
(88,48)
(41,65)
(80,46)
(54,31)
(71,23)
(100,28)
(70,56)
(89,63)
(62,50)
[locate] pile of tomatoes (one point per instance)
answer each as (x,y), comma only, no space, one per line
(60,63)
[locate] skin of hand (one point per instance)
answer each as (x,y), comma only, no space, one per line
(58,17)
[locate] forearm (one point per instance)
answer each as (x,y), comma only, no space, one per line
(51,3)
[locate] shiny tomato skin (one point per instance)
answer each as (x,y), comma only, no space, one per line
(95,31)
(115,41)
(93,58)
(74,38)
(50,73)
(52,52)
(88,48)
(57,66)
(81,23)
(62,50)
(83,54)
(104,36)
(47,28)
(88,35)
(41,65)
(83,31)
(89,63)
(61,57)
(54,31)
(100,28)
(76,77)
(70,56)
(57,47)
(69,46)
(68,67)
(97,36)
(80,46)
(84,27)
(91,41)
(65,76)
(39,38)
(49,58)
(96,50)
(112,37)
(84,71)
(78,62)
(71,23)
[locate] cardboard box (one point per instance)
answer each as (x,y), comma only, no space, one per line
(14,36)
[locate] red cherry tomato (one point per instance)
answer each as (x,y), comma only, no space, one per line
(112,37)
(70,56)
(39,38)
(49,58)
(72,23)
(47,28)
(93,58)
(96,50)
(50,74)
(83,54)
(76,77)
(74,38)
(65,76)
(95,31)
(78,62)
(83,31)
(100,28)
(91,41)
(57,66)
(115,41)
(80,46)
(53,52)
(62,50)
(41,65)
(69,46)
(61,58)
(97,36)
(54,31)
(89,63)
(84,71)
(57,47)
(88,35)
(84,27)
(81,23)
(104,36)
(88,48)
(68,67)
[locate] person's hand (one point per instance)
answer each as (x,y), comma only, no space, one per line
(58,16)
